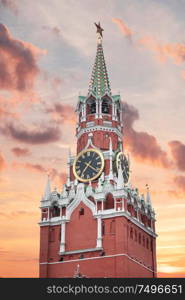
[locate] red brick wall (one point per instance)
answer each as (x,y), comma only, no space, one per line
(81,231)
(111,267)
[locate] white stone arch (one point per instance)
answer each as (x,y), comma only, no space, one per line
(80,197)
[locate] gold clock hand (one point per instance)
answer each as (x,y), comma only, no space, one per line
(87,165)
(93,168)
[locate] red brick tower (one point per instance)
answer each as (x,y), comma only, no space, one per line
(99,223)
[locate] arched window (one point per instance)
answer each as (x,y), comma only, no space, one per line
(105,106)
(55,211)
(81,211)
(91,106)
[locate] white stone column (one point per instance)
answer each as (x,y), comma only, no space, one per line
(123,204)
(63,231)
(99,233)
(96,207)
(84,112)
(97,109)
(100,109)
(111,177)
(113,110)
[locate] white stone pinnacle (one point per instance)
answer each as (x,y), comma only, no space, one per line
(47,191)
(148,198)
(68,169)
(64,193)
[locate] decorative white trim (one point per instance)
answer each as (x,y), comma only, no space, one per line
(99,127)
(110,213)
(81,251)
(99,233)
(105,214)
(44,204)
(107,123)
(80,197)
(90,124)
(63,233)
(100,257)
(90,143)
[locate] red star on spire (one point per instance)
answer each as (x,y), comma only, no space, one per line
(99,29)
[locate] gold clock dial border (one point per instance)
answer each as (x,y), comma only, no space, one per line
(80,154)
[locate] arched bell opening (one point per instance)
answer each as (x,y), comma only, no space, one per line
(55,210)
(91,106)
(106,106)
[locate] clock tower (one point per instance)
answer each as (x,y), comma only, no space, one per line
(99,222)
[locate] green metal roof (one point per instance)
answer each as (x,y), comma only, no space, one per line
(99,83)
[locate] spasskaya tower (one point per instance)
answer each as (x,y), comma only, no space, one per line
(99,225)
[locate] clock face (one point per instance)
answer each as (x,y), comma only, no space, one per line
(121,159)
(88,165)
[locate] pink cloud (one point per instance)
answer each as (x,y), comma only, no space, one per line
(20,151)
(178,153)
(10,4)
(62,113)
(2,162)
(18,62)
(54,173)
(126,31)
(164,51)
(142,145)
(35,136)
(180,182)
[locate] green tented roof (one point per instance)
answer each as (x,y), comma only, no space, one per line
(99,83)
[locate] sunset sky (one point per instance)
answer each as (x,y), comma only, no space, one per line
(47,50)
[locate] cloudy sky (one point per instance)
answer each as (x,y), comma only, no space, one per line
(47,50)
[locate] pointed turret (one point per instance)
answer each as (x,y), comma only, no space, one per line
(99,84)
(148,198)
(47,191)
(68,168)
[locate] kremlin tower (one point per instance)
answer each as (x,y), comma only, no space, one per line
(99,225)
